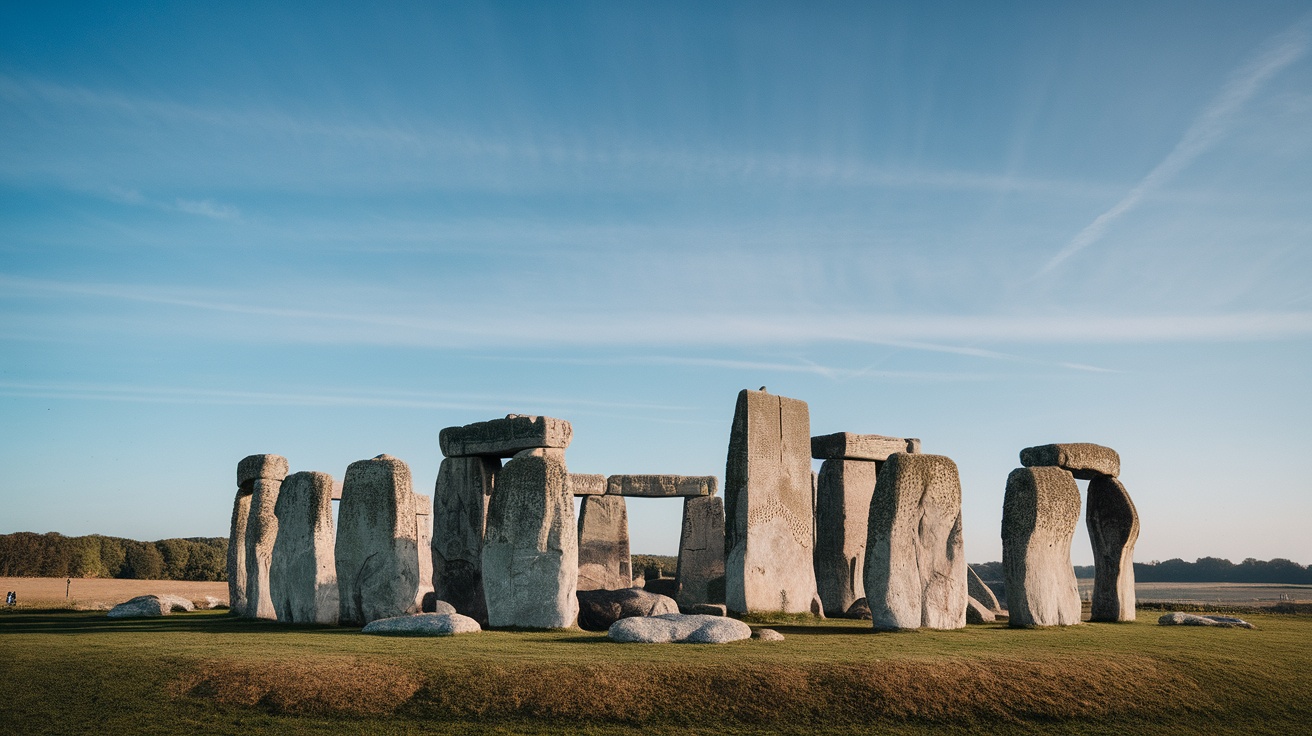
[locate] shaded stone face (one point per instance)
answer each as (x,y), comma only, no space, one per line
(303,573)
(598,609)
(915,568)
(254,467)
(701,552)
(661,486)
(377,553)
(241,512)
(980,591)
(1113,529)
(530,551)
(261,533)
(586,484)
(460,500)
(842,517)
(1039,514)
(849,446)
(604,561)
(1084,460)
(769,521)
(504,438)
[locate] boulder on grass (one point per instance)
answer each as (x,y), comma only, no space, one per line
(767,635)
(210,603)
(677,628)
(423,624)
(978,613)
(432,604)
(176,603)
(860,610)
(1189,619)
(142,605)
(598,609)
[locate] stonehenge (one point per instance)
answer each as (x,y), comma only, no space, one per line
(842,512)
(1113,529)
(1083,460)
(1039,513)
(303,572)
(661,486)
(464,487)
(979,590)
(377,551)
(768,513)
(915,566)
(236,561)
(504,438)
(604,561)
(700,573)
(262,475)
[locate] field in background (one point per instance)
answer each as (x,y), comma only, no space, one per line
(1230,594)
(93,593)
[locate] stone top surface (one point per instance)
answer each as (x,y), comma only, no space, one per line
(850,446)
(505,437)
(662,486)
(1084,460)
(586,484)
(268,467)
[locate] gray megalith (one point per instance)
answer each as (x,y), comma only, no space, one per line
(423,506)
(505,437)
(1084,460)
(377,553)
(586,484)
(700,572)
(915,569)
(842,518)
(1039,514)
(263,475)
(1113,529)
(661,486)
(769,518)
(604,561)
(850,446)
(460,500)
(980,590)
(303,574)
(241,513)
(530,551)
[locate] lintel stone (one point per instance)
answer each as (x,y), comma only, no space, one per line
(505,437)
(661,486)
(1084,460)
(586,484)
(255,467)
(850,446)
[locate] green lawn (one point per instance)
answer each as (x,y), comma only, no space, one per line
(64,672)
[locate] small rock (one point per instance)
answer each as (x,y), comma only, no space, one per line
(677,628)
(424,624)
(767,635)
(1189,619)
(142,605)
(598,609)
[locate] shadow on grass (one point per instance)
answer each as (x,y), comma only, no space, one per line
(58,621)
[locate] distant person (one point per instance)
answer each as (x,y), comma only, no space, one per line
(11,598)
(67,587)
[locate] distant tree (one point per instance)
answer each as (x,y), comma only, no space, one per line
(144,562)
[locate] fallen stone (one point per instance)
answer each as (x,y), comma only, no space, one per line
(586,484)
(767,635)
(915,568)
(432,604)
(663,586)
(860,610)
(505,438)
(260,473)
(1039,513)
(1113,529)
(1189,619)
(530,553)
(700,572)
(678,628)
(849,446)
(661,486)
(460,500)
(604,560)
(141,606)
(1083,459)
(842,517)
(377,551)
(769,517)
(303,573)
(423,624)
(706,609)
(598,609)
(176,603)
(979,590)
(211,603)
(978,613)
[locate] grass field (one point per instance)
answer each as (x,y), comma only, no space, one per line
(64,672)
(93,593)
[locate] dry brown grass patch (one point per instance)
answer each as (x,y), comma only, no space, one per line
(303,686)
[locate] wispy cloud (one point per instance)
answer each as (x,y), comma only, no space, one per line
(1207,129)
(202,207)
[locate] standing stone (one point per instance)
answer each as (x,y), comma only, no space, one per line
(769,520)
(423,506)
(377,545)
(241,512)
(263,474)
(303,574)
(530,552)
(604,561)
(842,518)
(1113,529)
(464,487)
(701,552)
(915,571)
(980,591)
(1039,514)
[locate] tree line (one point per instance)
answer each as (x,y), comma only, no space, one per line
(52,555)
(1202,570)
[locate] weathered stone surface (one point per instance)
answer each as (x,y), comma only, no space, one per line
(141,606)
(1189,619)
(767,635)
(769,520)
(678,628)
(663,586)
(424,540)
(849,446)
(176,603)
(842,518)
(1083,459)
(860,610)
(241,513)
(460,500)
(706,609)
(254,467)
(598,609)
(978,613)
(1039,514)
(1113,529)
(586,484)
(210,603)
(303,573)
(604,561)
(530,552)
(432,604)
(979,590)
(661,486)
(261,533)
(377,553)
(505,437)
(423,624)
(700,572)
(913,445)
(915,569)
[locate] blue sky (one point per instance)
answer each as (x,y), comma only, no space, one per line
(328,232)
